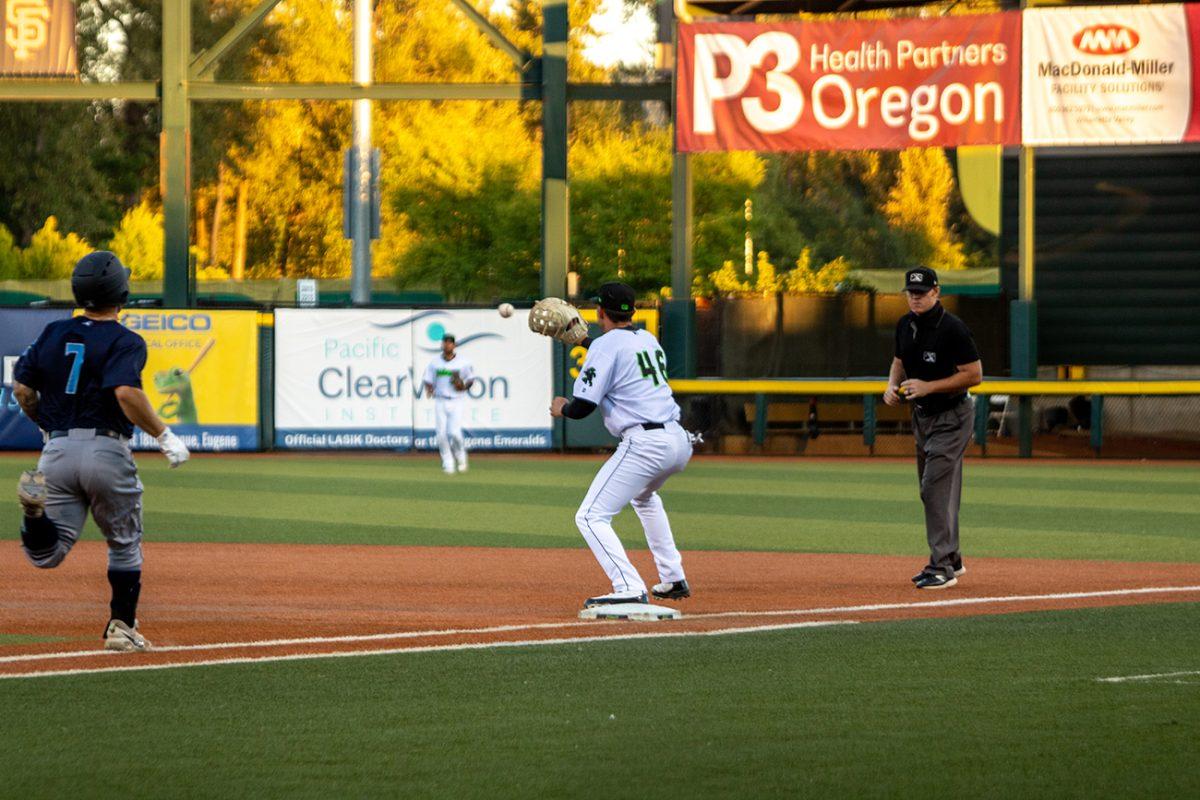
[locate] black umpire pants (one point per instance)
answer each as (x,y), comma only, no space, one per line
(942,441)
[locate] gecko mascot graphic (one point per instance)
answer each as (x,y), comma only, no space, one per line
(176,385)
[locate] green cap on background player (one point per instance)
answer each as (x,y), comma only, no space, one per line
(616,297)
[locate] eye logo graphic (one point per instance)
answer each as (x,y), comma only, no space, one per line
(1106,40)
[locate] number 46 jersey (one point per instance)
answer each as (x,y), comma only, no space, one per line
(625,373)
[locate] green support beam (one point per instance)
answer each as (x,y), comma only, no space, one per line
(58,91)
(175,153)
(759,429)
(638,92)
(205,63)
(521,59)
(233,91)
(982,407)
(556,206)
(869,422)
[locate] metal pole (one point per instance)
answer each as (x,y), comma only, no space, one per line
(175,152)
(360,258)
(556,202)
(1023,319)
(679,323)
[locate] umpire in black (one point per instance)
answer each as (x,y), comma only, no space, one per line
(935,363)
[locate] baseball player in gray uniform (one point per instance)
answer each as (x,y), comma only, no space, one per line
(81,383)
(625,375)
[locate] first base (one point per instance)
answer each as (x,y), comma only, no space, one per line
(638,612)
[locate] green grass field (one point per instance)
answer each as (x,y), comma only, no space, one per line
(1000,706)
(1038,510)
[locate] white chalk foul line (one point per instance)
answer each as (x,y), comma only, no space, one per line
(794,612)
(1156,676)
(433,648)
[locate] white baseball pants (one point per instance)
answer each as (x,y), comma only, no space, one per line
(633,475)
(448,414)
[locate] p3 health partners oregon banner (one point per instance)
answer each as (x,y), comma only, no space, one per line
(1112,75)
(507,408)
(19,328)
(352,379)
(849,85)
(201,375)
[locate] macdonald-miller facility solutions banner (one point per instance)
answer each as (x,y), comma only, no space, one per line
(882,84)
(1112,75)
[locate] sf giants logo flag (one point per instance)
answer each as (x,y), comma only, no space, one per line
(39,37)
(849,85)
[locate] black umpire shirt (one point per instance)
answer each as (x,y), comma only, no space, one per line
(932,346)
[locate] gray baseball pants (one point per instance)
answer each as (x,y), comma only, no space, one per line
(85,471)
(942,441)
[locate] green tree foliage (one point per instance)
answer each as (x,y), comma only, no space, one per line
(51,254)
(10,256)
(918,210)
(138,242)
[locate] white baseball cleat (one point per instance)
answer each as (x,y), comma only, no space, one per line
(462,467)
(122,638)
(31,491)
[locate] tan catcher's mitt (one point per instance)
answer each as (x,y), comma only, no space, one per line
(558,319)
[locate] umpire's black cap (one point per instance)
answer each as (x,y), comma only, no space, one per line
(100,280)
(921,279)
(616,297)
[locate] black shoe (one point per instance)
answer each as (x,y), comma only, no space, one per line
(936,580)
(959,570)
(615,598)
(671,591)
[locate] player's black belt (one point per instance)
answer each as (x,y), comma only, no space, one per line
(653,426)
(98,431)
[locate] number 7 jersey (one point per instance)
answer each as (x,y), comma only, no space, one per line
(625,374)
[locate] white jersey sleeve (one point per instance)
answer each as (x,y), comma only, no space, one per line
(595,376)
(466,371)
(625,374)
(431,373)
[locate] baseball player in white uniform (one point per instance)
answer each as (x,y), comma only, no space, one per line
(447,379)
(625,375)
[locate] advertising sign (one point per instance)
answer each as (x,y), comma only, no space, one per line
(351,379)
(201,375)
(18,329)
(39,37)
(849,85)
(1111,75)
(344,379)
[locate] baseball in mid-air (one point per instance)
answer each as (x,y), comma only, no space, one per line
(505,309)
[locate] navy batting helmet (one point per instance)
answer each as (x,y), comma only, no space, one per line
(100,280)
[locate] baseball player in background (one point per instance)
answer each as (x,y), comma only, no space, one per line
(447,379)
(625,376)
(81,383)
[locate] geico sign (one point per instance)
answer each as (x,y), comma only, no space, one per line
(834,102)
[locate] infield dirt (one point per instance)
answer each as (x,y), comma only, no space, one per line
(226,601)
